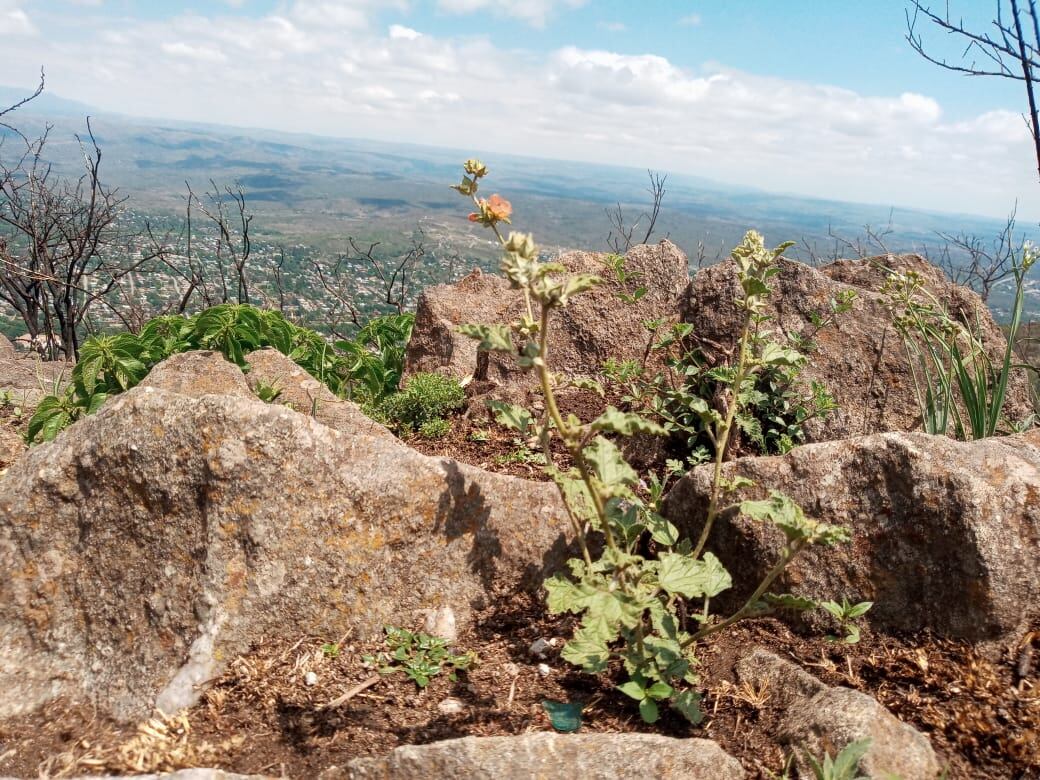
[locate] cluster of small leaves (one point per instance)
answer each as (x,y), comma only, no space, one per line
(844,766)
(772,410)
(645,601)
(846,614)
(422,405)
(368,367)
(420,656)
(956,381)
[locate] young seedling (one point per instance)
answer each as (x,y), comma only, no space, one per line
(420,656)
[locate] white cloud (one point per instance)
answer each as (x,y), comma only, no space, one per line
(188,51)
(292,71)
(400,32)
(534,12)
(690,20)
(14,21)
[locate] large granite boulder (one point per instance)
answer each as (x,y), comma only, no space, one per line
(596,325)
(860,359)
(154,540)
(945,534)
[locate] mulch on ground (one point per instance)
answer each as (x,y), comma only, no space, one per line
(261,716)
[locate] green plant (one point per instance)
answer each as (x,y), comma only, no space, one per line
(951,370)
(420,656)
(330,650)
(615,264)
(435,429)
(845,613)
(645,599)
(268,392)
(367,368)
(845,766)
(424,397)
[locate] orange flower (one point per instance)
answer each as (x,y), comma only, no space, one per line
(499,208)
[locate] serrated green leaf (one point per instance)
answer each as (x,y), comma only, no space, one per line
(511,416)
(626,423)
(492,338)
(774,354)
(688,703)
(610,467)
(587,649)
(661,529)
(693,578)
(660,690)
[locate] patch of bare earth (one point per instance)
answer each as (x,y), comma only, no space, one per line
(261,716)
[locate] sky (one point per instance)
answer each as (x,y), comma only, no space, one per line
(813,97)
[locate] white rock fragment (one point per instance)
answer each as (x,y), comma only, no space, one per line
(310,679)
(544,670)
(451,706)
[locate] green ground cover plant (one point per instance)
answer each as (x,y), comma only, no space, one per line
(420,656)
(365,369)
(643,592)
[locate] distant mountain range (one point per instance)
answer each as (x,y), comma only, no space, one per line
(316,190)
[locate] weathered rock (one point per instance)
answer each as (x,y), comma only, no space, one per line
(153,541)
(6,348)
(860,359)
(818,719)
(27,378)
(530,756)
(946,534)
(595,326)
(302,392)
(198,373)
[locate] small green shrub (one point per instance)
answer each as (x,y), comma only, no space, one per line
(425,397)
(435,429)
(844,766)
(366,369)
(420,656)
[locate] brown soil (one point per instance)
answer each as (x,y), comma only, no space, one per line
(982,717)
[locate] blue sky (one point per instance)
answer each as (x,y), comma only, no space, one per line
(819,98)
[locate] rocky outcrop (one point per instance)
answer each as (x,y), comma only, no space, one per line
(816,719)
(588,756)
(196,374)
(596,325)
(860,359)
(300,391)
(946,534)
(152,541)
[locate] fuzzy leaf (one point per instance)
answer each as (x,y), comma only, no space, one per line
(511,416)
(693,578)
(688,703)
(625,423)
(648,710)
(609,465)
(493,338)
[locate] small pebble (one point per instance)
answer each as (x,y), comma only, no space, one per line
(310,679)
(539,647)
(544,670)
(451,706)
(511,669)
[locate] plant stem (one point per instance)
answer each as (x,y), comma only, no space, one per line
(723,437)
